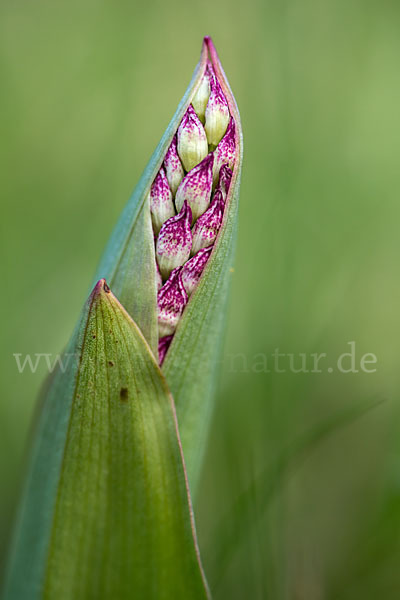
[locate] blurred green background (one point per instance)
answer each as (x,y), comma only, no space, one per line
(87,89)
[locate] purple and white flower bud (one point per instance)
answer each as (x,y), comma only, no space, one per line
(161,203)
(192,270)
(196,188)
(171,301)
(225,178)
(173,166)
(174,241)
(201,97)
(192,140)
(217,113)
(225,152)
(163,345)
(207,226)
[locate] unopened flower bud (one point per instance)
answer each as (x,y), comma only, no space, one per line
(207,226)
(174,241)
(161,203)
(192,270)
(192,140)
(217,113)
(196,188)
(171,301)
(163,345)
(202,95)
(225,151)
(225,178)
(173,166)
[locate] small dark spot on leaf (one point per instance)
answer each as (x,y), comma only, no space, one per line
(94,336)
(110,362)
(106,288)
(123,394)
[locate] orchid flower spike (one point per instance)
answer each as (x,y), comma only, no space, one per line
(201,157)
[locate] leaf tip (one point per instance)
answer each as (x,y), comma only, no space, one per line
(101,286)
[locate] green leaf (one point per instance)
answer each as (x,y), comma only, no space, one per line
(105,513)
(192,363)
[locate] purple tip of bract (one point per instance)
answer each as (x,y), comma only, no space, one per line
(174,241)
(196,187)
(161,203)
(192,270)
(173,166)
(163,345)
(171,301)
(225,153)
(192,139)
(210,74)
(207,226)
(190,121)
(225,178)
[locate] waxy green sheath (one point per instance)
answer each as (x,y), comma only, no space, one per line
(192,363)
(105,512)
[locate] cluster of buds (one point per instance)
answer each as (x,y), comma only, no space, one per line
(187,200)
